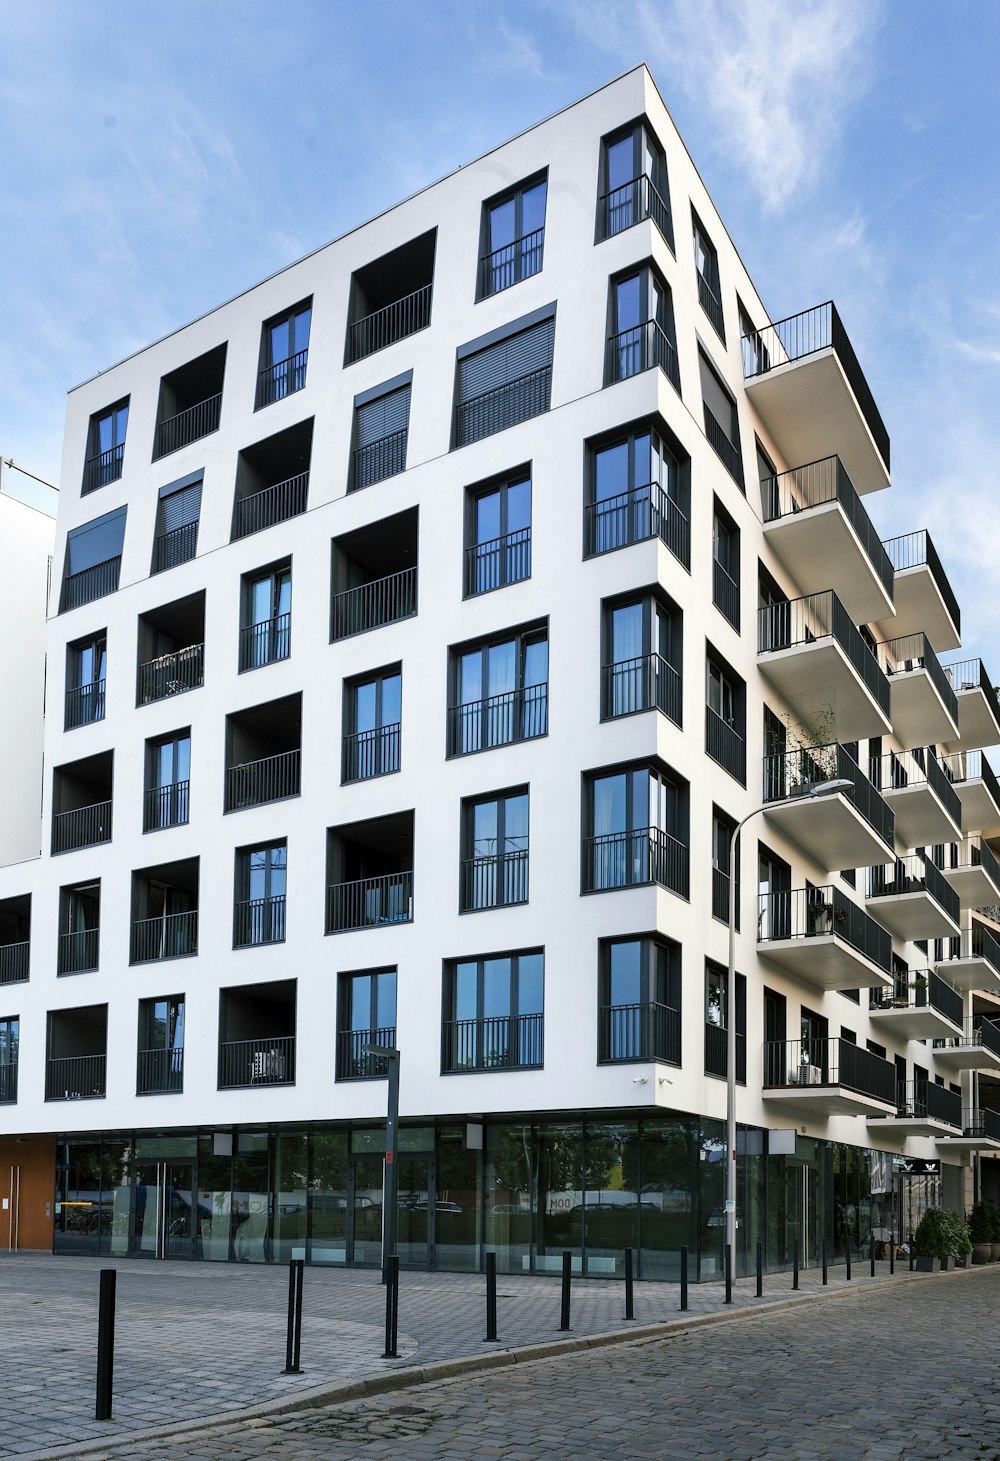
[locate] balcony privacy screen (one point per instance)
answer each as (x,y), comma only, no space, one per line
(512,379)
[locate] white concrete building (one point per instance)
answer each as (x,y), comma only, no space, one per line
(422,621)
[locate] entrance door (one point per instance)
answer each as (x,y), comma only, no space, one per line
(801,1212)
(10,1193)
(164,1210)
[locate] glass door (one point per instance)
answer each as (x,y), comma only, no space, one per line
(364,1238)
(415,1221)
(164,1210)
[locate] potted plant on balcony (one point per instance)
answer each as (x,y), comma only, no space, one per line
(980,1228)
(823,916)
(919,986)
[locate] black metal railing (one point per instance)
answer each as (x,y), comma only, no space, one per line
(725,745)
(805,334)
(970,674)
(84,704)
(106,467)
(977,1033)
(804,621)
(820,1061)
(720,896)
(172,674)
(792,493)
(370,902)
(78,951)
(390,323)
(175,547)
(172,936)
(717,1052)
(726,594)
(259,921)
(911,652)
(897,770)
(187,426)
(712,305)
(159,1072)
(791,774)
(633,202)
(14,962)
(919,989)
(647,682)
(815,912)
(962,766)
(498,562)
(81,827)
(634,858)
(270,779)
(927,1100)
(640,348)
(89,584)
(373,605)
(495,880)
(377,460)
(499,1042)
(269,1061)
(266,642)
(981,1123)
(634,517)
(372,752)
(913,873)
(271,505)
(166,806)
(504,406)
(976,942)
(645,1031)
(75,1077)
(511,263)
(499,720)
(355,1062)
(915,550)
(726,450)
(8,1082)
(969,853)
(283,378)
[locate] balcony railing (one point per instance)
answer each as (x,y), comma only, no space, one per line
(175,547)
(14,960)
(354,1062)
(159,1072)
(172,674)
(371,753)
(914,652)
(726,594)
(981,1123)
(106,467)
(644,1031)
(75,1078)
(84,704)
(265,643)
(503,406)
(647,682)
(913,874)
(799,622)
(725,745)
(832,1062)
(90,584)
(977,1033)
(925,1100)
(970,674)
(633,202)
(8,1082)
(259,921)
(712,305)
(78,951)
(494,881)
(501,1042)
(976,942)
(717,1052)
(166,806)
(907,993)
(720,896)
(378,460)
(791,493)
(187,426)
(643,347)
(726,450)
(81,827)
(391,323)
(269,1061)
(370,902)
(634,517)
(271,779)
(964,766)
(172,936)
(511,263)
(498,562)
(271,505)
(499,720)
(791,774)
(375,604)
(635,858)
(915,550)
(969,853)
(897,770)
(806,334)
(282,379)
(815,912)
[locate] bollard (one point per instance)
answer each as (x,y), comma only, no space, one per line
(567,1270)
(491,1296)
(848,1255)
(629,1286)
(391,1307)
(795,1263)
(729,1275)
(912,1255)
(892,1253)
(871,1244)
(826,1276)
(684,1279)
(293,1337)
(760,1270)
(105,1343)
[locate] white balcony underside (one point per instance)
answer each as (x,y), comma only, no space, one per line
(976,725)
(817,679)
(818,545)
(922,1022)
(965,974)
(824,961)
(920,609)
(969,1143)
(919,716)
(921,817)
(967,1057)
(829,829)
(980,813)
(830,1100)
(910,1126)
(974,886)
(912,915)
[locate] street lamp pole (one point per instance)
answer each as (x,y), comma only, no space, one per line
(390,1055)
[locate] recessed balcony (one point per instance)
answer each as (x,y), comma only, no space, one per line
(272,480)
(925,600)
(973,871)
(836,831)
(374,576)
(911,898)
(972,961)
(975,781)
(919,1005)
(264,754)
(811,652)
(257,1035)
(923,1108)
(923,801)
(804,380)
(924,707)
(976,1048)
(171,649)
(82,803)
(391,298)
(829,1077)
(190,403)
(978,706)
(818,528)
(822,937)
(15,938)
(76,1063)
(980,1132)
(370,873)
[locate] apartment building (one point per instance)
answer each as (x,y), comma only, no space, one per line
(423,622)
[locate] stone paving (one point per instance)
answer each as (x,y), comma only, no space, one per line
(206,1342)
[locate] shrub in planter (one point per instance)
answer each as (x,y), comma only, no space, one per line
(993,1213)
(980,1229)
(938,1236)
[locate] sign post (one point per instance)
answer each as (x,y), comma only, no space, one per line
(390,1055)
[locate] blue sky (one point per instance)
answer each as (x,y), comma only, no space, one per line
(155,160)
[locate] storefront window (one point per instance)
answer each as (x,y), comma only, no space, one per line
(251,1198)
(507,1199)
(215,1182)
(611,1196)
(291,1171)
(559,1202)
(457,1209)
(328,1196)
(78,1205)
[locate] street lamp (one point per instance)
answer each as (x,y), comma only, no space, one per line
(390,1055)
(837,785)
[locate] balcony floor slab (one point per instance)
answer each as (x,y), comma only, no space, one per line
(830,1100)
(912,916)
(830,829)
(912,1022)
(825,961)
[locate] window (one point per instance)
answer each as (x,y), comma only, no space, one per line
(706,263)
(640,1000)
(266,635)
(86,670)
(494,1012)
(774,897)
(641,328)
(722,426)
(372,717)
(725,717)
(717,1022)
(513,235)
(177,523)
(643,642)
(381,424)
(161,1046)
(726,565)
(756,356)
(284,350)
(638,489)
(723,828)
(260,895)
(367,1016)
(500,691)
(93,560)
(637,819)
(168,782)
(494,851)
(633,183)
(105,447)
(770,488)
(79,928)
(10,1033)
(504,377)
(498,534)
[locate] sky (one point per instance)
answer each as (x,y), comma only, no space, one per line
(156,160)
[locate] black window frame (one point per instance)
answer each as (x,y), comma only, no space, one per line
(273,901)
(644,349)
(521,869)
(382,756)
(711,280)
(514,1032)
(512,399)
(177,545)
(726,574)
(98,472)
(622,532)
(653,694)
(293,379)
(530,718)
(535,252)
(390,461)
(636,208)
(507,553)
(727,755)
(649,976)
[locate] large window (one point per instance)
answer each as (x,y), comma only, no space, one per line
(10,1032)
(493,1012)
(372,721)
(725,716)
(726,565)
(494,851)
(633,183)
(637,490)
(381,426)
(717,1022)
(642,658)
(637,820)
(266,635)
(366,1016)
(513,237)
(161,1046)
(93,560)
(177,523)
(284,354)
(259,914)
(86,670)
(79,928)
(498,534)
(105,447)
(504,380)
(642,328)
(706,263)
(722,424)
(499,691)
(640,1000)
(168,763)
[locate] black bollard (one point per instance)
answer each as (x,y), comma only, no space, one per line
(871,1242)
(293,1337)
(729,1276)
(491,1296)
(848,1255)
(912,1254)
(684,1279)
(826,1276)
(892,1253)
(391,1307)
(105,1343)
(760,1270)
(567,1270)
(795,1263)
(629,1286)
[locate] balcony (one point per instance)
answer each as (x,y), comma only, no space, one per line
(495,880)
(171,936)
(502,1042)
(924,707)
(717,1052)
(269,506)
(972,961)
(811,652)
(84,704)
(370,902)
(268,1061)
(8,1082)
(172,674)
(159,1072)
(911,898)
(499,720)
(980,1132)
(804,380)
(255,783)
(816,524)
(835,831)
(187,426)
(78,951)
(76,1078)
(923,1108)
(370,873)
(103,469)
(725,745)
(925,601)
(975,781)
(392,322)
(14,960)
(259,921)
(641,348)
(637,858)
(90,584)
(355,1062)
(917,1006)
(829,1077)
(81,827)
(973,871)
(824,938)
(978,706)
(373,605)
(923,801)
(282,379)
(265,643)
(632,203)
(647,682)
(263,754)
(646,1031)
(511,263)
(976,1048)
(636,516)
(391,298)
(166,806)
(727,450)
(190,402)
(370,753)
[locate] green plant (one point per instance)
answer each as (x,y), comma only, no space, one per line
(939,1234)
(964,1240)
(980,1222)
(994,1213)
(919,981)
